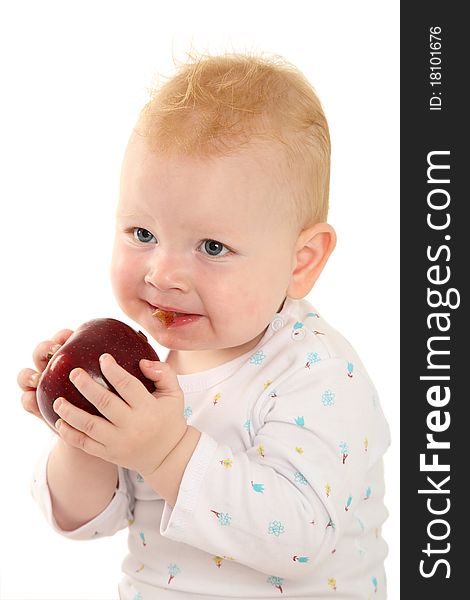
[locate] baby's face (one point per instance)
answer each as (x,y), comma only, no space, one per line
(204,237)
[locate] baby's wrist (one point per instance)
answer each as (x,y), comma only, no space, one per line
(159,460)
(166,478)
(177,449)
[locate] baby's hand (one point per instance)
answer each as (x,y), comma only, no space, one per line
(140,428)
(28,378)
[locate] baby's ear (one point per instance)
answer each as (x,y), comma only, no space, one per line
(313,248)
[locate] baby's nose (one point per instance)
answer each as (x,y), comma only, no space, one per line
(167,273)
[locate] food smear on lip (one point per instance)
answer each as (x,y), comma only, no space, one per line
(165,316)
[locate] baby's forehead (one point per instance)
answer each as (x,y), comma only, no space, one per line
(247,181)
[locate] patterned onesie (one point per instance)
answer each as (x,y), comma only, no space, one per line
(283,496)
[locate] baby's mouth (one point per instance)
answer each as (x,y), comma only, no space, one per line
(165,316)
(169,317)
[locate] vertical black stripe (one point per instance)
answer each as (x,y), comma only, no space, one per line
(435,251)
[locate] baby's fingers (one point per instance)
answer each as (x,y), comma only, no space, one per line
(62,336)
(28,399)
(43,353)
(28,379)
(45,350)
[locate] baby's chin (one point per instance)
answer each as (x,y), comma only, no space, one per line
(203,335)
(188,345)
(174,341)
(223,350)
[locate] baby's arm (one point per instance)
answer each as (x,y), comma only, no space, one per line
(80,485)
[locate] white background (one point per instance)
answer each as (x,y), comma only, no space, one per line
(74,75)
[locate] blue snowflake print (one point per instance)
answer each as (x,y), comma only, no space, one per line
(276,528)
(297,325)
(173,569)
(188,412)
(276,582)
(223,518)
(258,487)
(328,398)
(300,478)
(247,425)
(257,357)
(300,421)
(312,358)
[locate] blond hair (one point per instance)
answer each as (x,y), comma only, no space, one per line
(216,105)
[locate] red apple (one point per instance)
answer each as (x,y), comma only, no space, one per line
(83,349)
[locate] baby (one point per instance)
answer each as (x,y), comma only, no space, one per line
(255,468)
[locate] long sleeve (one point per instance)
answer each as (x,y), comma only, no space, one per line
(115,516)
(282,505)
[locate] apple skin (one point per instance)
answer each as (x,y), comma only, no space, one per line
(83,349)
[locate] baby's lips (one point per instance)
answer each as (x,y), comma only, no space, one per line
(165,316)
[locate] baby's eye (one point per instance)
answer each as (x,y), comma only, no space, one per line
(143,235)
(214,248)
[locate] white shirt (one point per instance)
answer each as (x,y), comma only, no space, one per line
(284,491)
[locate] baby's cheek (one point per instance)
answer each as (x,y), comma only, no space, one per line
(237,306)
(244,319)
(116,273)
(122,275)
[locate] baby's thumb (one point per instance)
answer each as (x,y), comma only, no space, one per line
(161,374)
